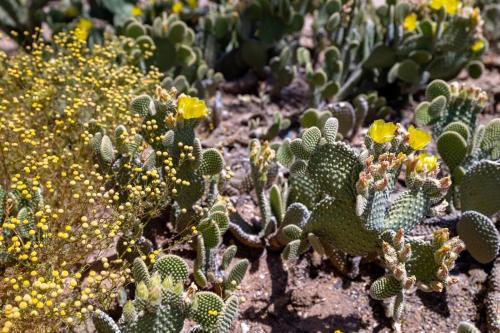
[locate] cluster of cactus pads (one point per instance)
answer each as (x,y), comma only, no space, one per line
(162,304)
(166,151)
(168,45)
(339,202)
(471,152)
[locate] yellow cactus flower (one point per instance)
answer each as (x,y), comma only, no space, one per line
(136,11)
(82,29)
(418,138)
(410,22)
(478,46)
(450,6)
(193,3)
(177,8)
(426,163)
(382,132)
(191,107)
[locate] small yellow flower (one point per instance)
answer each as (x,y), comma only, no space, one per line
(82,29)
(193,3)
(410,22)
(177,8)
(478,46)
(191,107)
(426,163)
(450,6)
(136,11)
(418,138)
(382,132)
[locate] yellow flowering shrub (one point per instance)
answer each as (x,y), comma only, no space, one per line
(59,216)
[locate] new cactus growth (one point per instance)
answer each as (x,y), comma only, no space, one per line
(162,305)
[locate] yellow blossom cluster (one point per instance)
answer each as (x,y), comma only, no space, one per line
(60,214)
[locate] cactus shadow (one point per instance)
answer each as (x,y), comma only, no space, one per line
(436,302)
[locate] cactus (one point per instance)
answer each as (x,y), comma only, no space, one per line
(363,47)
(478,191)
(261,158)
(162,305)
(257,43)
(469,150)
(466,327)
(168,45)
(491,300)
(17,17)
(352,213)
(208,267)
(282,71)
(410,46)
(167,152)
(278,125)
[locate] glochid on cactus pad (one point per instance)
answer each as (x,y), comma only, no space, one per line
(162,305)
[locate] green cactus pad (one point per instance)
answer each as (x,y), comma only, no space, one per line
(211,233)
(460,128)
(453,148)
(292,232)
(330,130)
(140,271)
(291,250)
(437,88)
(480,188)
(228,256)
(382,56)
(385,287)
(302,190)
(104,323)
(206,309)
(211,162)
(229,314)
(466,327)
(422,263)
(480,236)
(221,219)
(408,211)
(141,105)
(333,168)
(107,152)
(173,266)
(236,274)
(338,225)
(491,138)
(310,138)
(437,107)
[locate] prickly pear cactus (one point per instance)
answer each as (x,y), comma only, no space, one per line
(469,150)
(355,214)
(162,305)
(168,45)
